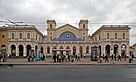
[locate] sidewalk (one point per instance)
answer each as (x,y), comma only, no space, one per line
(49,61)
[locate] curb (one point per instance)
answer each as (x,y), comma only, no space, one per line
(68,64)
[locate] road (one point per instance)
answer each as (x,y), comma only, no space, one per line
(68,73)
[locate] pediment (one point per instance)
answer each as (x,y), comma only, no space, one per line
(67,26)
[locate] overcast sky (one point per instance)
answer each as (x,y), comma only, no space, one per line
(71,11)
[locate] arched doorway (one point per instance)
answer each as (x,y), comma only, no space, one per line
(28,47)
(41,49)
(99,48)
(81,51)
(13,50)
(21,50)
(123,50)
(115,49)
(107,49)
(74,50)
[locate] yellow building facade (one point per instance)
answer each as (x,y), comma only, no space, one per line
(3,40)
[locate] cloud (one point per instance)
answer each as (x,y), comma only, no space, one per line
(69,11)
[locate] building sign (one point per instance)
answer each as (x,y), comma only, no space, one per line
(67,39)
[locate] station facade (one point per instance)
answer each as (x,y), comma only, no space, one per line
(68,39)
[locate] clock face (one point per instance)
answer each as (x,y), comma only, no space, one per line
(67,35)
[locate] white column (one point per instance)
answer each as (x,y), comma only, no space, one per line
(71,53)
(127,50)
(24,51)
(17,51)
(111,49)
(44,49)
(50,50)
(119,50)
(90,50)
(77,50)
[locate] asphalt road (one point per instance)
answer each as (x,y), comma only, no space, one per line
(68,73)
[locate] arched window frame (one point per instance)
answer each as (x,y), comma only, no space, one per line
(116,36)
(108,35)
(20,35)
(83,26)
(28,35)
(13,36)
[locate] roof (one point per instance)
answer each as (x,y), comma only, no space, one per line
(22,27)
(111,27)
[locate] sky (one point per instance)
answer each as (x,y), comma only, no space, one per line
(97,12)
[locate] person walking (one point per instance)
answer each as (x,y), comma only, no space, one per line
(130,57)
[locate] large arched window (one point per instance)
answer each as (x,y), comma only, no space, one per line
(83,26)
(28,35)
(20,35)
(67,35)
(12,35)
(50,26)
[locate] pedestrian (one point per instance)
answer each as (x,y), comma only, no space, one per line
(33,56)
(29,56)
(54,57)
(38,56)
(59,57)
(119,57)
(78,57)
(112,57)
(100,59)
(115,57)
(66,59)
(130,57)
(106,58)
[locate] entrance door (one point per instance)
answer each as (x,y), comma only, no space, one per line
(107,49)
(28,50)
(21,50)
